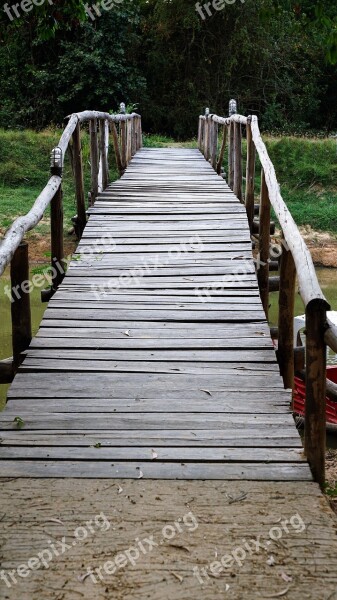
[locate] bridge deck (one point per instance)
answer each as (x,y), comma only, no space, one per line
(154,357)
(147,381)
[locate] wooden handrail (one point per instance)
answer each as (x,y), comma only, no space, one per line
(295,261)
(23,224)
(13,249)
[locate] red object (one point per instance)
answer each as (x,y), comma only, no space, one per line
(299,397)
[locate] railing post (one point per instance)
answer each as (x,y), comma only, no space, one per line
(133,136)
(200,133)
(103,154)
(285,352)
(207,135)
(222,150)
(117,148)
(315,403)
(231,162)
(214,146)
(20,307)
(250,175)
(94,159)
(81,217)
(57,250)
(237,188)
(140,143)
(128,141)
(123,136)
(264,245)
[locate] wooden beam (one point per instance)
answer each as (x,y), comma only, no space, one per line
(237,184)
(264,245)
(94,158)
(315,403)
(81,217)
(250,175)
(20,306)
(286,314)
(222,150)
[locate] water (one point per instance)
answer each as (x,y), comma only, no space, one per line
(328,282)
(37,310)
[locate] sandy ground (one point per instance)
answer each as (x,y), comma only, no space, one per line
(331,475)
(166,540)
(323,247)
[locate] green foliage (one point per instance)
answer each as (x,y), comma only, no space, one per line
(24,171)
(162,57)
(19,422)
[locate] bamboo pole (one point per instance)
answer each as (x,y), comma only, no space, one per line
(264,244)
(81,218)
(20,306)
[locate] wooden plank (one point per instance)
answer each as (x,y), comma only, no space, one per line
(222,455)
(238,402)
(119,470)
(143,385)
(255,438)
(151,347)
(146,421)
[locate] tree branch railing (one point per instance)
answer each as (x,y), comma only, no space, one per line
(295,263)
(124,133)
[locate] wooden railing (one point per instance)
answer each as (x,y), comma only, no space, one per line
(126,136)
(295,263)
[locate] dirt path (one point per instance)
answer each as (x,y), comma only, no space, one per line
(143,540)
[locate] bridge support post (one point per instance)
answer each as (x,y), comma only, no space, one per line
(250,175)
(117,149)
(79,184)
(103,153)
(57,249)
(231,155)
(315,403)
(20,307)
(285,353)
(94,160)
(206,135)
(237,183)
(214,143)
(222,151)
(264,245)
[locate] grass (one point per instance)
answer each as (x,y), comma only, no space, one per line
(306,169)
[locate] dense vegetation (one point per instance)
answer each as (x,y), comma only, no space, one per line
(276,57)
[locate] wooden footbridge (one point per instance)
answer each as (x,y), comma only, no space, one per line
(154,359)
